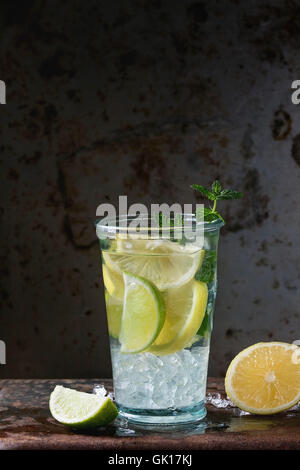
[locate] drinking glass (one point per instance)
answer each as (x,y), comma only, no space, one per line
(160,292)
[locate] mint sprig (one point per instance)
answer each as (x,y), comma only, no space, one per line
(216,193)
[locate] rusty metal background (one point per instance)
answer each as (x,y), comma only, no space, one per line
(144,98)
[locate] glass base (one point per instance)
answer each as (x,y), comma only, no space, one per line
(166,417)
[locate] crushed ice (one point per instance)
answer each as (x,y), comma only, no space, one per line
(216,400)
(171,381)
(102,392)
(295,408)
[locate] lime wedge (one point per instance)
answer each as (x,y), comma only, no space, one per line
(185,310)
(113,282)
(174,265)
(81,410)
(114,308)
(143,314)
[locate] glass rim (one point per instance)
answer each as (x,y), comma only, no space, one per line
(114,226)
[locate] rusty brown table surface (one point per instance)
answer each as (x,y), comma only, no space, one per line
(26,423)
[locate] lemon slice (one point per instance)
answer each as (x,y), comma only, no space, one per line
(113,282)
(185,310)
(143,314)
(166,264)
(264,378)
(81,410)
(114,308)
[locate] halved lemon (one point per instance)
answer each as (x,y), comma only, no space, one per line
(166,264)
(185,310)
(143,314)
(264,378)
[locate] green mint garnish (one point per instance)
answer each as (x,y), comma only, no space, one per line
(207,271)
(216,193)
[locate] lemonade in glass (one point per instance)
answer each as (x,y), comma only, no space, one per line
(160,293)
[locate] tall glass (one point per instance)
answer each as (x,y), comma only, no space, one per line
(159,381)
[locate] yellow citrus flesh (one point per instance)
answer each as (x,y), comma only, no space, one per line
(265,378)
(166,264)
(185,310)
(113,282)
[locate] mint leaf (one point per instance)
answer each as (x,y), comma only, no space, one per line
(207,271)
(227,194)
(219,216)
(216,187)
(206,192)
(217,194)
(210,215)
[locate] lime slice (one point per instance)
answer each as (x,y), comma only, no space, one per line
(113,282)
(166,264)
(185,310)
(81,410)
(114,308)
(143,314)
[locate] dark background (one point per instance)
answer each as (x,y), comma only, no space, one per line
(144,98)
